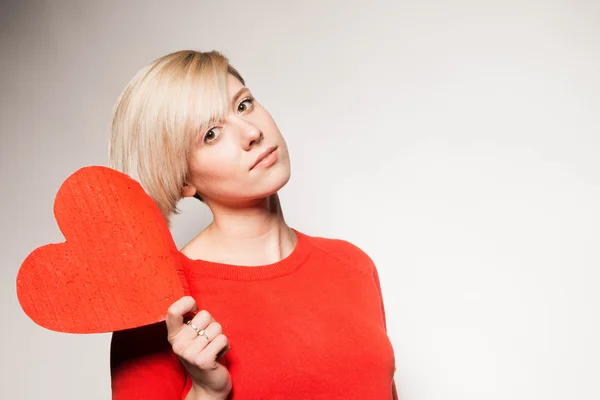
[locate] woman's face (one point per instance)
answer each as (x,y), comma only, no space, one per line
(242,158)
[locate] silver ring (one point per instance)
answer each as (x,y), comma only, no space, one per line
(198,331)
(193,327)
(202,333)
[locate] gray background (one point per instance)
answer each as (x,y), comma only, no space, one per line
(454,141)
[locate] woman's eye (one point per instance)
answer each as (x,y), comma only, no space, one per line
(212,135)
(246,104)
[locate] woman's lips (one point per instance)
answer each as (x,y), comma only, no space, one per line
(266,159)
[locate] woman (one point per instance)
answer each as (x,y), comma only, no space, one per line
(278,314)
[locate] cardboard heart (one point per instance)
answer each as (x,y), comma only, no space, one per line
(119,267)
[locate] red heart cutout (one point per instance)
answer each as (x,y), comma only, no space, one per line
(119,267)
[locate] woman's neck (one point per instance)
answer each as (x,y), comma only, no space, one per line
(250,236)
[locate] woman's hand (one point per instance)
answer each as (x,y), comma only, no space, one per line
(199,344)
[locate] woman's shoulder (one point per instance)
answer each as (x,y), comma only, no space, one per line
(344,251)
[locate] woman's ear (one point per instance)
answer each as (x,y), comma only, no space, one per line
(188,190)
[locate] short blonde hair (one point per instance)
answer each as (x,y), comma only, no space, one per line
(159,114)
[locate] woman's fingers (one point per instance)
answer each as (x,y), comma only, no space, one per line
(203,354)
(175,314)
(201,321)
(215,349)
(199,344)
(213,330)
(185,338)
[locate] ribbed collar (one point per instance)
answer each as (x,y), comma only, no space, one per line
(202,268)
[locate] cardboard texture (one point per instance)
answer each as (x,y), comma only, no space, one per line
(119,267)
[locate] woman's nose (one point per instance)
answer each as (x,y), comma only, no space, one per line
(251,136)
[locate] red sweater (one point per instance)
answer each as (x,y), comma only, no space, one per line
(311,326)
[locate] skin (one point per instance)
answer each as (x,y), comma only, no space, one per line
(248,227)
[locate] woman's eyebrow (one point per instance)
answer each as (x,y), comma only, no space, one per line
(237,95)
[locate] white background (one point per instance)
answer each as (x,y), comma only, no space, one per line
(456,142)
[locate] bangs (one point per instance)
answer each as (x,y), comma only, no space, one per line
(196,95)
(208,96)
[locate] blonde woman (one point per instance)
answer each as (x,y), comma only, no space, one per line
(279,314)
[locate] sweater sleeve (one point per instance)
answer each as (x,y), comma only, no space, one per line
(143,366)
(376,278)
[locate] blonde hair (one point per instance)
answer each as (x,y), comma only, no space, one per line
(158,116)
